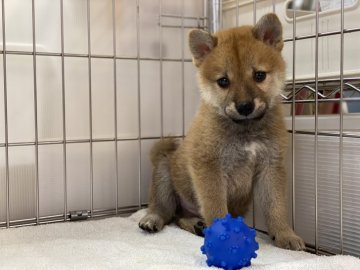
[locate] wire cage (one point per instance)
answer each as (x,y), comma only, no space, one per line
(88,86)
(83,100)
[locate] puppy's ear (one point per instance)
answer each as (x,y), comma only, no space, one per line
(201,43)
(269,30)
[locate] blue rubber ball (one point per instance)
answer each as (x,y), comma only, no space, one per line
(229,243)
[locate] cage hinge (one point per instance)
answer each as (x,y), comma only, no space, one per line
(79,215)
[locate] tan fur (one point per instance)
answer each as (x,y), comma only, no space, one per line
(226,156)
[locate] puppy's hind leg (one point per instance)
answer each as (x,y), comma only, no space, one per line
(162,202)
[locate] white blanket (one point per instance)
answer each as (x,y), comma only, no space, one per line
(118,243)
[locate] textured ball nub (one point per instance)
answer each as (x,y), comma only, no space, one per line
(229,243)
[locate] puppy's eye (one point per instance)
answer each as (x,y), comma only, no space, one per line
(259,76)
(223,82)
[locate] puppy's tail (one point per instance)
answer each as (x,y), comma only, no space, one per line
(163,149)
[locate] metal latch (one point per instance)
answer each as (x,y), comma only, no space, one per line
(79,215)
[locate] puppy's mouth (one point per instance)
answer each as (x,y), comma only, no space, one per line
(256,115)
(246,114)
(246,119)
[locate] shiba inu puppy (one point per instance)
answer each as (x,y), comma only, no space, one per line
(237,142)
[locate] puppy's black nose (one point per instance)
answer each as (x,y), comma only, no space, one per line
(245,108)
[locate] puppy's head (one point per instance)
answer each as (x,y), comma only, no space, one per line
(240,71)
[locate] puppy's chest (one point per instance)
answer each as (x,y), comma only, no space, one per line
(240,155)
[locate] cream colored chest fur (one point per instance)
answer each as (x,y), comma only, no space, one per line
(238,164)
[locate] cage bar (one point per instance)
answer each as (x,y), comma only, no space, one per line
(115,108)
(253,206)
(138,93)
(351,99)
(98,213)
(90,110)
(214,15)
(161,71)
(182,66)
(37,207)
(323,133)
(325,34)
(293,157)
(341,154)
(83,141)
(63,93)
(254,12)
(237,12)
(79,55)
(273,6)
(182,17)
(6,119)
(316,124)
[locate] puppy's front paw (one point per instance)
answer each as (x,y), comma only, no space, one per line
(199,228)
(194,225)
(151,223)
(289,240)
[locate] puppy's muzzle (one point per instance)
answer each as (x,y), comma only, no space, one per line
(245,108)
